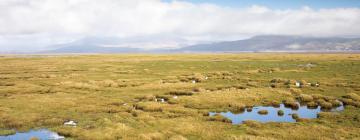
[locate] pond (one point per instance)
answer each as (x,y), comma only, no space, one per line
(41,134)
(272,115)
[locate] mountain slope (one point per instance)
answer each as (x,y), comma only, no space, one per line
(93,49)
(280,43)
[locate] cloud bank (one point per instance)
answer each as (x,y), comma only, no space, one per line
(35,24)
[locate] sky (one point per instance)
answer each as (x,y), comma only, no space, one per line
(282,4)
(36,25)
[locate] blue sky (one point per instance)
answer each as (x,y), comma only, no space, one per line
(283,4)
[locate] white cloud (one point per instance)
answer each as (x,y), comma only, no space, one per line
(45,22)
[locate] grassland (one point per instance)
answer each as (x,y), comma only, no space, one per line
(114,96)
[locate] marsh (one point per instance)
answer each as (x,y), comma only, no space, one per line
(113,97)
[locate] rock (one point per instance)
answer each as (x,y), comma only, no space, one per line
(70,123)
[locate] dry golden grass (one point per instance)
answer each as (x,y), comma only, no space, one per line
(113,96)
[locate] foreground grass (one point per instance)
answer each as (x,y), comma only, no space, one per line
(113,96)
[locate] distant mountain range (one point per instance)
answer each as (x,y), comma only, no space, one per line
(280,43)
(266,43)
(93,49)
(119,45)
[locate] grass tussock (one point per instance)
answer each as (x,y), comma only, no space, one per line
(280,113)
(173,101)
(197,77)
(6,132)
(199,89)
(353,96)
(317,96)
(181,93)
(305,98)
(249,109)
(252,123)
(291,103)
(8,84)
(303,120)
(177,137)
(295,116)
(149,106)
(335,103)
(219,118)
(34,138)
(146,98)
(295,91)
(351,102)
(53,122)
(325,105)
(275,103)
(165,97)
(11,123)
(152,136)
(237,107)
(312,104)
(324,115)
(263,112)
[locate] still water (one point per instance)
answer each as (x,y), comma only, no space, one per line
(272,116)
(42,134)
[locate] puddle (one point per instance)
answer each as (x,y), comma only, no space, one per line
(41,134)
(272,116)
